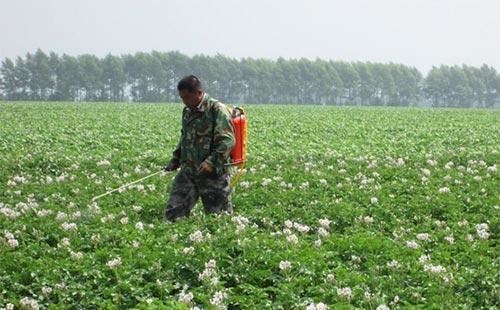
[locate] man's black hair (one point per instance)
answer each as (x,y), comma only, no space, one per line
(190,83)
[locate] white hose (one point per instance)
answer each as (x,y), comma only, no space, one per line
(125,186)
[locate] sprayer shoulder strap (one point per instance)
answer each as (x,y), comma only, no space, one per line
(214,119)
(214,115)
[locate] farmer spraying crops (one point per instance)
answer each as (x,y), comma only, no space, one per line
(202,154)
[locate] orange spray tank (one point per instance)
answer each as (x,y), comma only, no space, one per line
(239,120)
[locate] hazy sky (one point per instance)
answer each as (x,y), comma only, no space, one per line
(420,33)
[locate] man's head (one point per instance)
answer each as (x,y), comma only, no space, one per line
(190,91)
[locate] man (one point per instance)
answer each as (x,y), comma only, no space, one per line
(203,152)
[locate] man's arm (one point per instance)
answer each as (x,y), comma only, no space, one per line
(224,139)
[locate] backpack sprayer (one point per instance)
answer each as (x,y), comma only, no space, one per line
(238,153)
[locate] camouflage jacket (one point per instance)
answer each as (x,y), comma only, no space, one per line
(207,134)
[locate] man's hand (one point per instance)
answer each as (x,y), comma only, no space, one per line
(205,168)
(172,165)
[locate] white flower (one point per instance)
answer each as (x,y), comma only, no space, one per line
(424,258)
(423,236)
(114,263)
(292,239)
(449,165)
(266,182)
(9,235)
(444,190)
(323,182)
(244,184)
(211,264)
(139,226)
(185,298)
(450,239)
(317,243)
(218,298)
(241,220)
(482,226)
(482,231)
(395,300)
(368,219)
(319,306)
(330,277)
(426,172)
(368,295)
(492,168)
(434,268)
(382,307)
(374,200)
(9,307)
(69,226)
(304,185)
(323,232)
(61,178)
(9,213)
(285,265)
(325,223)
(188,250)
(463,223)
(13,243)
(411,244)
(393,264)
(76,255)
(95,238)
(29,303)
(103,162)
(431,162)
(61,216)
(483,234)
(214,281)
(65,242)
(207,273)
(76,215)
(209,270)
(196,236)
(345,292)
(301,228)
(440,223)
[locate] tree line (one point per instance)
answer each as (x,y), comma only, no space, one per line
(153,77)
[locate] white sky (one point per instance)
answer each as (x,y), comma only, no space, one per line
(420,33)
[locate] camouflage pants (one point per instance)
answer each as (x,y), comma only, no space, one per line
(215,193)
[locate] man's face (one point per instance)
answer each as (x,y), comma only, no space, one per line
(191,100)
